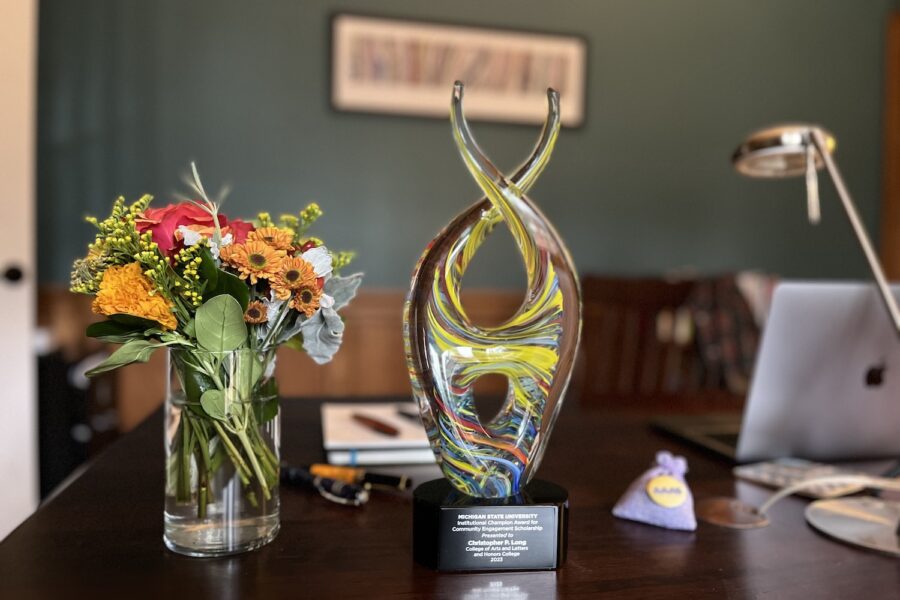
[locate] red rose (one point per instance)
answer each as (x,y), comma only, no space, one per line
(164,223)
(239,229)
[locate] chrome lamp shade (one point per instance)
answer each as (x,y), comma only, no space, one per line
(781,151)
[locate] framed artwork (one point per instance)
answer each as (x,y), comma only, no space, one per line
(381,65)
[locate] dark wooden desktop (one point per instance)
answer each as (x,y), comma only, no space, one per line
(102,535)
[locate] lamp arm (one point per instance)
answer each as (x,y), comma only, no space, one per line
(858,228)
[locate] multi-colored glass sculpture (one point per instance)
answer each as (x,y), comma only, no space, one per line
(534,349)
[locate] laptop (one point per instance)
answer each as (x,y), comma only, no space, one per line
(826,385)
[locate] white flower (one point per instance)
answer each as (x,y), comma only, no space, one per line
(320,259)
(190,237)
(214,247)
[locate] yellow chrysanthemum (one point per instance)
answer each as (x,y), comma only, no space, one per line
(295,273)
(253,260)
(306,300)
(278,238)
(126,290)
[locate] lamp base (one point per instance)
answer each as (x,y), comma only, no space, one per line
(456,532)
(867,522)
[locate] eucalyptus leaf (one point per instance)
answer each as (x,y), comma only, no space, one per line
(220,325)
(213,403)
(343,289)
(131,352)
(322,335)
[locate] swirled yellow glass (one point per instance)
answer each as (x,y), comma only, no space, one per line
(535,349)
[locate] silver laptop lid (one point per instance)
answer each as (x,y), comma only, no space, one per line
(827,380)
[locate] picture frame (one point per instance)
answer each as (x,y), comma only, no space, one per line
(406,67)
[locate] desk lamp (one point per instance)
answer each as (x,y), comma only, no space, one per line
(801,150)
(793,150)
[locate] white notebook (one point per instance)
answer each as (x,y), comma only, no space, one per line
(349,442)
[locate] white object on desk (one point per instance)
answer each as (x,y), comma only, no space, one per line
(785,472)
(347,441)
(867,522)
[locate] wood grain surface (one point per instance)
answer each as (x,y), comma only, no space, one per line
(102,535)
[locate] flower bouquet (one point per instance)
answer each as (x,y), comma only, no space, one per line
(222,295)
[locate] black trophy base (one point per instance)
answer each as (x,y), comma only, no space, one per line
(456,532)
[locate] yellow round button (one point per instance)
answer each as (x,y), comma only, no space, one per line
(667,491)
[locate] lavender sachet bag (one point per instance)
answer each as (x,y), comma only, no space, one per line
(660,496)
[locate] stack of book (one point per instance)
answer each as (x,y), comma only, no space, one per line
(384,433)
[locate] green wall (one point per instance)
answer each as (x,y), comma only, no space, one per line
(131,91)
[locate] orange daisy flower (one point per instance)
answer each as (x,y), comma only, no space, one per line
(295,273)
(253,260)
(256,312)
(276,237)
(306,300)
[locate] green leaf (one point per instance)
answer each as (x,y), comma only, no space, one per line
(295,343)
(208,271)
(220,325)
(119,339)
(190,329)
(265,407)
(131,352)
(231,285)
(113,332)
(120,328)
(213,402)
(170,338)
(133,321)
(195,384)
(249,369)
(266,410)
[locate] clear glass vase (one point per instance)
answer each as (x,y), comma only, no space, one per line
(222,437)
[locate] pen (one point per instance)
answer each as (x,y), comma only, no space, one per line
(361,476)
(376,425)
(410,415)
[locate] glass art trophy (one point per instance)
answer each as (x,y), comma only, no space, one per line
(488,513)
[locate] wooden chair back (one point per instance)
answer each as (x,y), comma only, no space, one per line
(639,349)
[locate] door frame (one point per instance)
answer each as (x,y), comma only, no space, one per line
(18,109)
